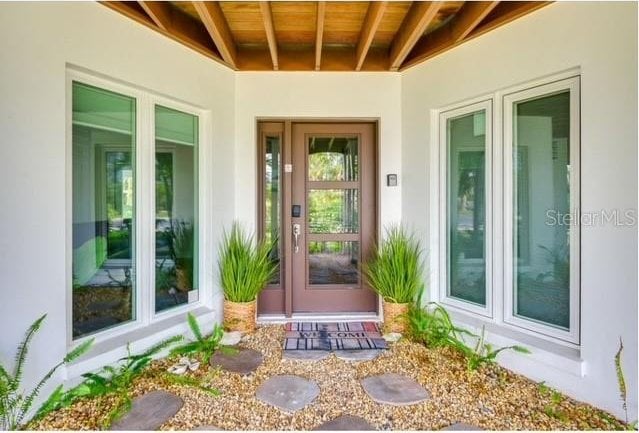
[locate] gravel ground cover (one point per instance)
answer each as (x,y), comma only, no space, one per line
(492,398)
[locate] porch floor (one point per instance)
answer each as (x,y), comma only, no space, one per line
(491,398)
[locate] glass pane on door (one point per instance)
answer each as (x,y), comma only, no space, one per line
(333,262)
(272,199)
(541,194)
(333,159)
(333,211)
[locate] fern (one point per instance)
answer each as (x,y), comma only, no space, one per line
(189,381)
(204,346)
(621,380)
(14,404)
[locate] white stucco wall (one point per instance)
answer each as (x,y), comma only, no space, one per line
(601,39)
(317,95)
(38,41)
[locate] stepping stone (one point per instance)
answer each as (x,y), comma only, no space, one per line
(394,389)
(462,426)
(305,355)
(358,355)
(287,392)
(347,423)
(392,337)
(243,361)
(207,428)
(150,411)
(231,338)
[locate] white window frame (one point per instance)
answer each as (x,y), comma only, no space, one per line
(500,238)
(509,99)
(444,116)
(144,255)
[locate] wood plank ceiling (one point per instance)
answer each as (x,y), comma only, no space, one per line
(322,36)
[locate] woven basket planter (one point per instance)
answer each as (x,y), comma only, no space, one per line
(395,319)
(240,316)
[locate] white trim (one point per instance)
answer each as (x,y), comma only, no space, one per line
(318,317)
(509,99)
(144,235)
(443,245)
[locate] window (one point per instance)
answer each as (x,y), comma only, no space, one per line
(534,173)
(117,246)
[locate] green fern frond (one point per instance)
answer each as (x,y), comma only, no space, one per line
(23,348)
(195,327)
(621,380)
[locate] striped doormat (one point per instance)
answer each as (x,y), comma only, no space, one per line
(333,336)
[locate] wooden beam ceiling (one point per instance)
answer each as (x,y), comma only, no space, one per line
(473,19)
(211,15)
(371,22)
(267,17)
(412,28)
(319,35)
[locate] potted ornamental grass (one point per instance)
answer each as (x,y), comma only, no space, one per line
(245,268)
(395,271)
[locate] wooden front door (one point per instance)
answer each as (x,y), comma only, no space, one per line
(328,218)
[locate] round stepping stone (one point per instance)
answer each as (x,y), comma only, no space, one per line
(347,423)
(305,355)
(150,411)
(462,426)
(358,355)
(394,389)
(287,392)
(392,337)
(243,361)
(207,428)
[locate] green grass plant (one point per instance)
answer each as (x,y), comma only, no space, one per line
(245,265)
(395,269)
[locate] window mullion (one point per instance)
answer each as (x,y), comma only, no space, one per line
(146,200)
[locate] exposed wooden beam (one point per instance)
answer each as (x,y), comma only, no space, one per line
(319,33)
(160,13)
(413,27)
(371,22)
(267,16)
(471,21)
(469,17)
(213,18)
(182,28)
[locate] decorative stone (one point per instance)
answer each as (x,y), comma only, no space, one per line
(358,355)
(231,338)
(392,337)
(305,355)
(207,427)
(346,423)
(287,392)
(149,411)
(394,389)
(242,360)
(462,426)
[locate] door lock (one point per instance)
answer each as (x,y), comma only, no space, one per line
(297,231)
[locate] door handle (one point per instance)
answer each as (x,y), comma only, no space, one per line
(297,230)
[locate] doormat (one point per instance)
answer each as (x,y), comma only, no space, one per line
(333,336)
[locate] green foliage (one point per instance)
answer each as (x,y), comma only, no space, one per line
(245,265)
(14,403)
(190,381)
(553,409)
(204,346)
(486,353)
(395,268)
(621,382)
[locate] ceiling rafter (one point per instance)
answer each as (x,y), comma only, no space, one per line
(413,27)
(467,24)
(214,20)
(319,33)
(267,17)
(180,28)
(374,16)
(159,12)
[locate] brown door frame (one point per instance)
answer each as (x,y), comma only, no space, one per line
(282,295)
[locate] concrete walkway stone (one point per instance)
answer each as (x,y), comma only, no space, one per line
(287,392)
(358,355)
(394,389)
(305,355)
(149,411)
(462,426)
(242,361)
(346,423)
(231,338)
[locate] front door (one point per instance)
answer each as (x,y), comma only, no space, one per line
(328,214)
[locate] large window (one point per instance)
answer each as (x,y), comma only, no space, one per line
(516,251)
(113,257)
